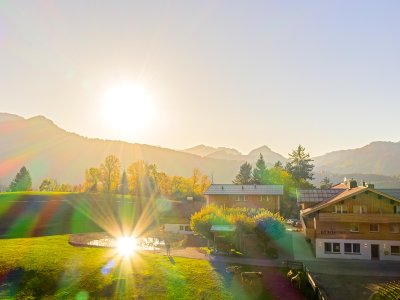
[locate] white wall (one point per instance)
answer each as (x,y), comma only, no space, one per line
(176,228)
(365,249)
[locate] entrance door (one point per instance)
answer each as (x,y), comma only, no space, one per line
(374,251)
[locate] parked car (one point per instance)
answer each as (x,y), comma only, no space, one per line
(292,222)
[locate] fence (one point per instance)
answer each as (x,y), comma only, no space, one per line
(298,265)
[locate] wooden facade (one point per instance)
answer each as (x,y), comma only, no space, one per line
(251,196)
(270,202)
(358,223)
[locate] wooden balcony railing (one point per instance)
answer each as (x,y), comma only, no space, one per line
(360,218)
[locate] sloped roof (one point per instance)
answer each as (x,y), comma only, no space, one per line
(392,192)
(346,194)
(317,195)
(236,189)
(340,186)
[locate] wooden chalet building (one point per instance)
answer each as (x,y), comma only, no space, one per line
(251,196)
(352,222)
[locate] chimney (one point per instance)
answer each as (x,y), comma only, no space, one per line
(364,183)
(371,186)
(351,183)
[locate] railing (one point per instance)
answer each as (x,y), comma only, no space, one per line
(359,218)
(298,265)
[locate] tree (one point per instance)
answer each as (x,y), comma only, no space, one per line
(260,171)
(244,176)
(326,183)
(92,177)
(124,184)
(195,179)
(299,165)
(266,224)
(110,173)
(163,183)
(64,187)
(22,181)
(278,165)
(142,178)
(48,185)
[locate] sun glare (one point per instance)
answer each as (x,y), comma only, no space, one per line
(128,107)
(126,246)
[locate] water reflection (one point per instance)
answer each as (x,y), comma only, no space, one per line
(147,243)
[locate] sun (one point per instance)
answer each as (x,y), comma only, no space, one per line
(128,107)
(126,246)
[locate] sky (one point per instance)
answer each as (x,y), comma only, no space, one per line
(238,74)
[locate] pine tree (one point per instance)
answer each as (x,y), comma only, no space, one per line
(278,165)
(124,184)
(260,171)
(22,181)
(326,183)
(244,176)
(299,165)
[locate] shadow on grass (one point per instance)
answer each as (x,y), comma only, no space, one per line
(171,259)
(24,284)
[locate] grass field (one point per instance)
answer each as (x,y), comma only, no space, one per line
(36,262)
(30,214)
(48,267)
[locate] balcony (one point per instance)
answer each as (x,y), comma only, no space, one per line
(360,218)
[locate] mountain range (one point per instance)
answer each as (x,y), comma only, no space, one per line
(49,151)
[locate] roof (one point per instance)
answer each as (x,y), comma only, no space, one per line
(223,228)
(341,185)
(391,192)
(317,195)
(346,194)
(249,189)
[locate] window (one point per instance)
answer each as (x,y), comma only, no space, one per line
(181,227)
(352,248)
(374,227)
(395,250)
(394,227)
(332,248)
(240,198)
(340,209)
(187,228)
(359,209)
(264,198)
(328,247)
(354,227)
(396,209)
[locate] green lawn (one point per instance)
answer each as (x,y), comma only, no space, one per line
(50,268)
(27,214)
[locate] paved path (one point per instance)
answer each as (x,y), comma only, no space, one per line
(294,246)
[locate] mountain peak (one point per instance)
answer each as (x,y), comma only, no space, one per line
(259,150)
(6,117)
(40,118)
(203,150)
(270,157)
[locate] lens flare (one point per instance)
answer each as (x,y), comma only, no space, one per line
(126,246)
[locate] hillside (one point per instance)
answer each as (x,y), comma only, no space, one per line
(380,181)
(374,158)
(49,151)
(270,156)
(202,150)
